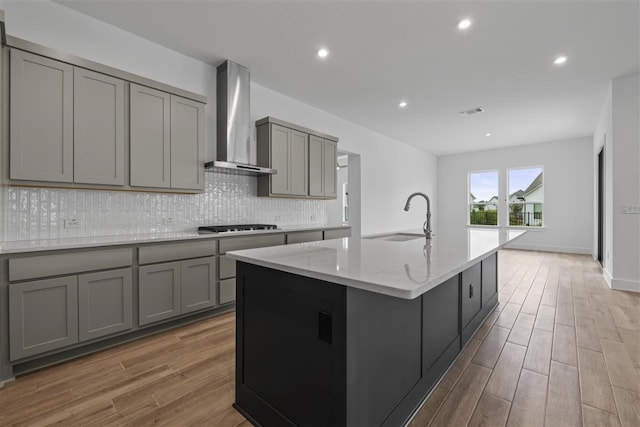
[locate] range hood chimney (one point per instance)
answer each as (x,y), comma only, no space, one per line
(233,122)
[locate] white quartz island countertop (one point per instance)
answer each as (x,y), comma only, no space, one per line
(404,269)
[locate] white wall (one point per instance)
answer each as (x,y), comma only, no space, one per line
(390,170)
(568,196)
(618,130)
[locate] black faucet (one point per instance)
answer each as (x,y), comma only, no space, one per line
(426,227)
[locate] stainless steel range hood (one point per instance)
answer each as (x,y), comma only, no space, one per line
(234,122)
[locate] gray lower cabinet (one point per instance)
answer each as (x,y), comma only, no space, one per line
(227,290)
(43,316)
(198,280)
(158,292)
(337,233)
(170,289)
(98,128)
(41,118)
(304,236)
(104,303)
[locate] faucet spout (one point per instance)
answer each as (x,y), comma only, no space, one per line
(427,224)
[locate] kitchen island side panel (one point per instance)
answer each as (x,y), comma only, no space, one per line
(290,348)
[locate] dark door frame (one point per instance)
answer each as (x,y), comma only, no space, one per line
(600,212)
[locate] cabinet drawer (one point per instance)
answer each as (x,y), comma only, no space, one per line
(69,263)
(250,242)
(176,251)
(305,236)
(227,291)
(337,234)
(227,267)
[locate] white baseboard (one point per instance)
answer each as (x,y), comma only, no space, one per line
(549,248)
(607,277)
(625,285)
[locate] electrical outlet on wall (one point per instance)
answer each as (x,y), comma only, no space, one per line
(72,223)
(313,218)
(630,209)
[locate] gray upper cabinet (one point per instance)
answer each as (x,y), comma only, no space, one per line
(304,159)
(43,316)
(41,118)
(330,156)
(322,167)
(286,151)
(198,284)
(316,171)
(187,144)
(104,303)
(167,140)
(150,113)
(99,133)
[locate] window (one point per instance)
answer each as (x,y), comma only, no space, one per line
(526,196)
(483,198)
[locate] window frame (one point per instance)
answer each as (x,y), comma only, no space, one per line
(508,203)
(469,204)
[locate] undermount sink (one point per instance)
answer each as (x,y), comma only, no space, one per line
(397,237)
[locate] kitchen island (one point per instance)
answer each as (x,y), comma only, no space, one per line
(356,332)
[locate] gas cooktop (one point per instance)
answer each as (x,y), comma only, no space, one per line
(235,227)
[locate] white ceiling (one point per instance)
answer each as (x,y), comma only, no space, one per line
(382,52)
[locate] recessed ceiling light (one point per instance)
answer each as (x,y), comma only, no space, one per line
(560,60)
(323,53)
(464,24)
(487,134)
(402,104)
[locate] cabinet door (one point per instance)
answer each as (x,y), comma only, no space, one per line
(98,147)
(227,290)
(158,292)
(104,303)
(280,142)
(316,168)
(330,154)
(149,137)
(471,293)
(198,284)
(43,316)
(187,144)
(440,321)
(298,163)
(41,119)
(489,278)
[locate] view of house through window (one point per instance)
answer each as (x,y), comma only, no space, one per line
(526,196)
(483,198)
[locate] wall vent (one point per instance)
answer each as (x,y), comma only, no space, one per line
(472,111)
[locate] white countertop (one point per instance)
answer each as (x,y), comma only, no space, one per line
(22,246)
(400,269)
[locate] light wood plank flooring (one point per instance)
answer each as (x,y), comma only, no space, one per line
(560,350)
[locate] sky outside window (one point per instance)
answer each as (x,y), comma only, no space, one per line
(520,179)
(483,185)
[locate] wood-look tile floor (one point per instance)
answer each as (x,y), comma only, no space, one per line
(560,350)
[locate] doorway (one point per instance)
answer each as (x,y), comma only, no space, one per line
(345,209)
(601,207)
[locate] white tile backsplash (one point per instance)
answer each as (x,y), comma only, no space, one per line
(229,198)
